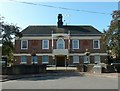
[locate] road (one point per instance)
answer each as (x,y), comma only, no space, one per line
(62,82)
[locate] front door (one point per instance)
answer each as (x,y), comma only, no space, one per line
(60,61)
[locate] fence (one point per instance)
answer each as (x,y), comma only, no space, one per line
(23,69)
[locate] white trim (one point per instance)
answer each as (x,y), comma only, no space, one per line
(73,44)
(23,62)
(98,44)
(50,37)
(22,54)
(34,62)
(43,44)
(45,62)
(60,34)
(44,54)
(71,54)
(80,54)
(22,45)
(91,54)
(101,54)
(36,38)
(86,37)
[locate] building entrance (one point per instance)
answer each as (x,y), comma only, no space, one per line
(60,61)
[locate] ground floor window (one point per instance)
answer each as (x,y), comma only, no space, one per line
(75,59)
(97,59)
(45,59)
(86,59)
(23,59)
(34,59)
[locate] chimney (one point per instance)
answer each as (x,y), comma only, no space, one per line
(60,23)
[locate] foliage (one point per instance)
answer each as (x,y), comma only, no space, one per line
(8,33)
(111,37)
(7,50)
(10,30)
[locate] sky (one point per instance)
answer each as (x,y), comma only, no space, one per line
(23,15)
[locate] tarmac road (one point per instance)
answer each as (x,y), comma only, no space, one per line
(62,82)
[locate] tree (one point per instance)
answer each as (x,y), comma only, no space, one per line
(8,33)
(111,37)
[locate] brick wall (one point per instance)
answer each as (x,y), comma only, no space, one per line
(37,45)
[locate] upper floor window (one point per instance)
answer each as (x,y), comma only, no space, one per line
(45,44)
(60,44)
(75,44)
(24,44)
(96,44)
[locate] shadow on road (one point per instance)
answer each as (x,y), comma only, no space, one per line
(50,75)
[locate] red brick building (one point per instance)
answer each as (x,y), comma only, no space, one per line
(59,45)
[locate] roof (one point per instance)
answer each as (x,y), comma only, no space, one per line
(47,30)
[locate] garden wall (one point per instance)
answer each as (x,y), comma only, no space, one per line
(23,69)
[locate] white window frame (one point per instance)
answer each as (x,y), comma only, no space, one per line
(73,44)
(22,45)
(45,62)
(74,59)
(63,43)
(23,62)
(43,44)
(98,44)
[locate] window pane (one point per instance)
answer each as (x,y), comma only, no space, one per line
(23,58)
(75,44)
(97,59)
(96,43)
(45,59)
(75,59)
(60,44)
(45,44)
(24,44)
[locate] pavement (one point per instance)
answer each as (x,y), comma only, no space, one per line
(110,75)
(58,71)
